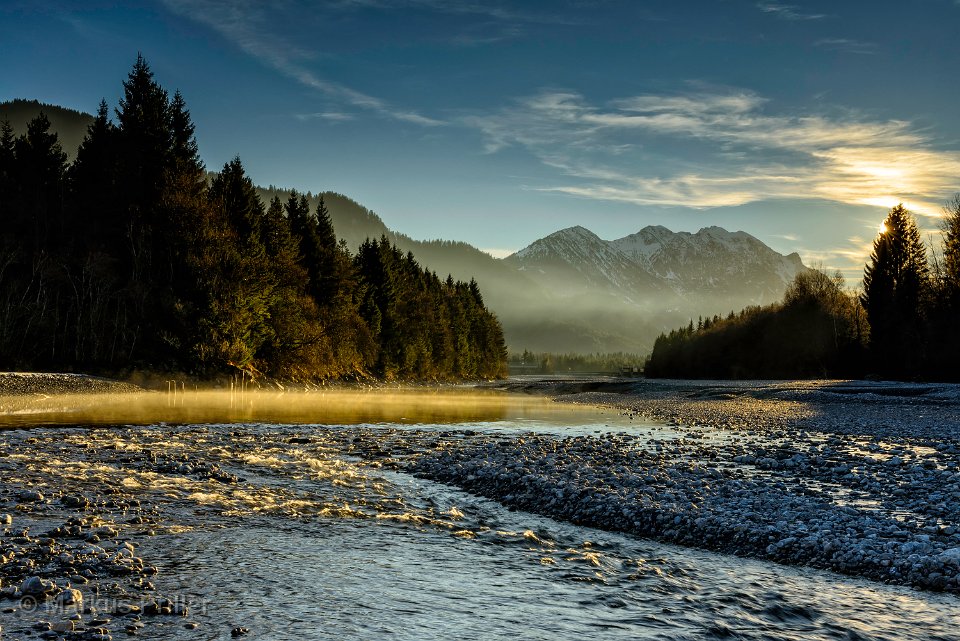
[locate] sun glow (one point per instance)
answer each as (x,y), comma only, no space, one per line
(883,228)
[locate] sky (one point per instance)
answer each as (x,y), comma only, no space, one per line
(497,123)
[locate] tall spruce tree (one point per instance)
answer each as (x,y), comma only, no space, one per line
(40,176)
(234,192)
(896,284)
(146,137)
(951,252)
(93,177)
(945,310)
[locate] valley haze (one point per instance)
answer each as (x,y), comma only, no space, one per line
(571,291)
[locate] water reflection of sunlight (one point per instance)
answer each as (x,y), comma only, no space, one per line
(334,407)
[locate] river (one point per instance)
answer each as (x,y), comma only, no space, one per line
(296,519)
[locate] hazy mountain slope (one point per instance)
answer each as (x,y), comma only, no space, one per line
(575,262)
(624,292)
(70,125)
(712,265)
(354,222)
(501,285)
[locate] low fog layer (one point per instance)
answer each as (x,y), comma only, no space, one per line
(337,407)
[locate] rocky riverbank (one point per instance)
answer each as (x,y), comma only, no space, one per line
(860,478)
(71,567)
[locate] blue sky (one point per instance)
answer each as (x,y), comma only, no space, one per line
(497,123)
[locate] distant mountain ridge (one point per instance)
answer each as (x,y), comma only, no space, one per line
(570,291)
(711,263)
(624,292)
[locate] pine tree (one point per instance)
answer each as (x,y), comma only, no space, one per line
(234,192)
(895,295)
(145,137)
(40,176)
(945,311)
(325,232)
(277,238)
(951,253)
(184,149)
(93,178)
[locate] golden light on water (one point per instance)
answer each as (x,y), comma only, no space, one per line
(335,407)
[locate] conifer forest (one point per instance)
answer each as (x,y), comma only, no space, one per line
(131,257)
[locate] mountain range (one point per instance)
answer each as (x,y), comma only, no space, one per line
(570,291)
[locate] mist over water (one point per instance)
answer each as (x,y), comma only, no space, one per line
(334,407)
(291,514)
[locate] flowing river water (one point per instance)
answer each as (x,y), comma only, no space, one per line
(296,517)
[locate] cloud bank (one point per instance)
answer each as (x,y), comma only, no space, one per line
(706,149)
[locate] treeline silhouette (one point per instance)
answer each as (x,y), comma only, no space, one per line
(131,258)
(903,325)
(549,363)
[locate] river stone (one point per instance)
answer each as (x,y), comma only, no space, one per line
(35,586)
(63,626)
(78,501)
(30,495)
(70,596)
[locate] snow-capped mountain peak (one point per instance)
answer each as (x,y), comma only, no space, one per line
(711,269)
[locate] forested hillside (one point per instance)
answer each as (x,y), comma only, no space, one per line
(902,325)
(132,257)
(71,125)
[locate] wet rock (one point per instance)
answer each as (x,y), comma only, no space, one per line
(31,496)
(70,597)
(63,626)
(239,631)
(34,586)
(76,501)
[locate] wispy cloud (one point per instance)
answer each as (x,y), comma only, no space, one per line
(333,116)
(848,46)
(241,23)
(490,9)
(716,149)
(788,11)
(486,34)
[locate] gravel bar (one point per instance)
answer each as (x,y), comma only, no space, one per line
(856,477)
(48,384)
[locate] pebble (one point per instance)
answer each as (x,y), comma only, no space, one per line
(63,626)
